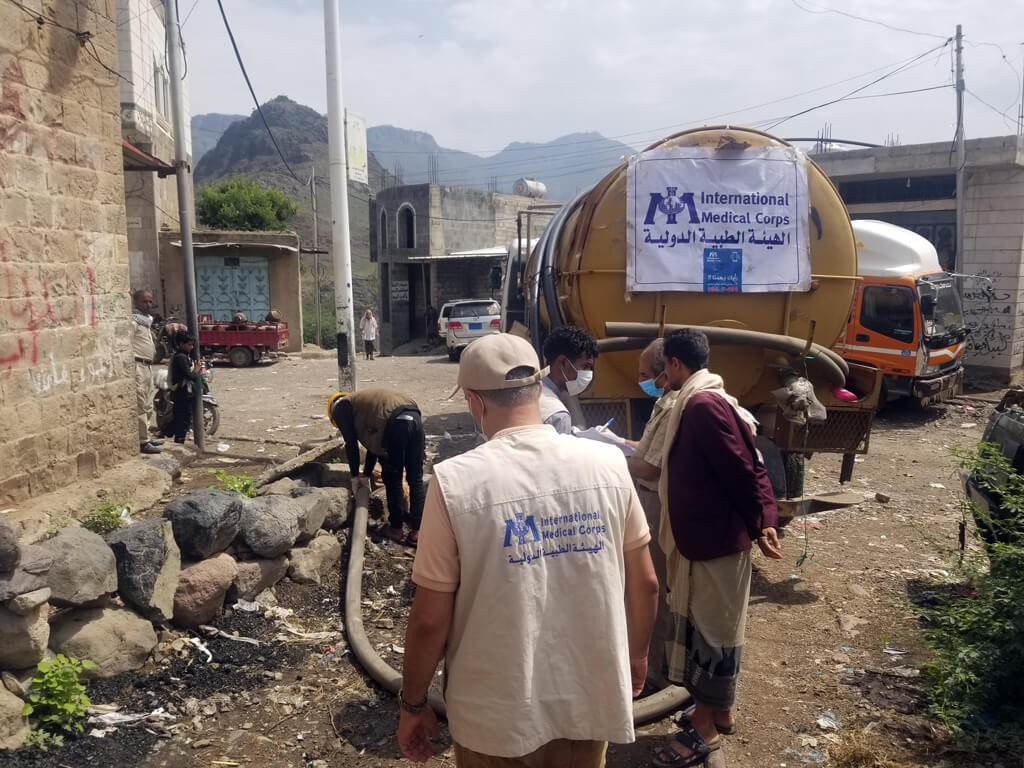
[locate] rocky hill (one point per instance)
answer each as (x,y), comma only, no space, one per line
(207,130)
(566,164)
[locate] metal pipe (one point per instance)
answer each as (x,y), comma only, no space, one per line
(630,336)
(649,708)
(183,177)
(316,257)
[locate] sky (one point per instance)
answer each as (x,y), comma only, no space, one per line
(479,74)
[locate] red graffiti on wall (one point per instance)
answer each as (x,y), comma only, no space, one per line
(33,308)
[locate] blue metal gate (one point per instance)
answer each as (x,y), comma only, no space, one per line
(229,284)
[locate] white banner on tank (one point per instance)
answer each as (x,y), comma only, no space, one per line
(729,221)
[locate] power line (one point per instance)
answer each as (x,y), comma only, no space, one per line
(189,14)
(245,75)
(84,38)
(822,10)
(859,89)
(655,133)
(1006,118)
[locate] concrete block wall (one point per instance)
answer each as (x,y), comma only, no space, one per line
(67,401)
(994,249)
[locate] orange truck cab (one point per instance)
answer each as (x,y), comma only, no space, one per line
(906,318)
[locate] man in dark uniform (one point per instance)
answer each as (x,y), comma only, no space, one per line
(388,425)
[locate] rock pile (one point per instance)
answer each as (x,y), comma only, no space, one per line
(61,595)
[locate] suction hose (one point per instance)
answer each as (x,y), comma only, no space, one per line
(645,710)
(831,364)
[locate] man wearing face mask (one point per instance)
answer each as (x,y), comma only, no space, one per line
(529,542)
(645,467)
(570,353)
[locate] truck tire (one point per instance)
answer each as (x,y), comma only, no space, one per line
(240,357)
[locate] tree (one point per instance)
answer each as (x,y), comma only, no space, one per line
(243,204)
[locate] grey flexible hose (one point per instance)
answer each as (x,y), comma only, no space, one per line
(645,710)
(834,367)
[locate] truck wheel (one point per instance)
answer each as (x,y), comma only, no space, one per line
(794,475)
(240,357)
(453,354)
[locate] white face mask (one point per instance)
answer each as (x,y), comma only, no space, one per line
(578,385)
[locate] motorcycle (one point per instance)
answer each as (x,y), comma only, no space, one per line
(164,408)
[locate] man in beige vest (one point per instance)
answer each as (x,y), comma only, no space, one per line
(387,422)
(144,351)
(534,582)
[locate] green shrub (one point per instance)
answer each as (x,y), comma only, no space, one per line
(327,326)
(243,484)
(106,517)
(976,633)
(57,701)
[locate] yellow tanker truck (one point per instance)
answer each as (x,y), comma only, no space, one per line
(736,232)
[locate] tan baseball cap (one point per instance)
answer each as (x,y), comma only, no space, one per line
(485,363)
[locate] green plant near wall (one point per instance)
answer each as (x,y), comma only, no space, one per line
(106,517)
(57,702)
(243,484)
(976,628)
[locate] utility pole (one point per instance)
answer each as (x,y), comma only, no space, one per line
(961,151)
(341,250)
(316,256)
(183,176)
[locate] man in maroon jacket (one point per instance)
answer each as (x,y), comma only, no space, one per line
(716,501)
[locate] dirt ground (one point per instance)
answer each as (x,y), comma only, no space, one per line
(832,650)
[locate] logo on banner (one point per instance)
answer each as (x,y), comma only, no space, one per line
(671,205)
(723,270)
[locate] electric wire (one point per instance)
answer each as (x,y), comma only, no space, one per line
(256,101)
(823,10)
(886,76)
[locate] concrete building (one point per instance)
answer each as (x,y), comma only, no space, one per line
(151,198)
(67,399)
(434,244)
(914,186)
(249,272)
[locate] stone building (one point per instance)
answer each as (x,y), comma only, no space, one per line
(434,244)
(914,186)
(248,272)
(67,402)
(151,198)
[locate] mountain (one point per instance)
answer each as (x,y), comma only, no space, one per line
(207,130)
(245,149)
(565,165)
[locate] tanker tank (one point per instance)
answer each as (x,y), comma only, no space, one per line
(586,271)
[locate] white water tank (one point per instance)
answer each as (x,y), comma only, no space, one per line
(529,188)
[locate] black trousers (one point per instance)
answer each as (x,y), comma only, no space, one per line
(406,451)
(182,415)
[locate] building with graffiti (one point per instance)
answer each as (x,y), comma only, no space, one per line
(67,402)
(914,186)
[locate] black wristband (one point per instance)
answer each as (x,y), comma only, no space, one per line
(412,709)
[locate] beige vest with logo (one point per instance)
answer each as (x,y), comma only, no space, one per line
(538,647)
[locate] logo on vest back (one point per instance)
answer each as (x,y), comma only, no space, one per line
(521,528)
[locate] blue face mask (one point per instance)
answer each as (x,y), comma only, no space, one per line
(651,389)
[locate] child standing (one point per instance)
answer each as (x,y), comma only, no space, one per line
(183,380)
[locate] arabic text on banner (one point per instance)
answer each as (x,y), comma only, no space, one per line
(728,221)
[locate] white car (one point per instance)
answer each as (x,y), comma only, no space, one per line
(469,319)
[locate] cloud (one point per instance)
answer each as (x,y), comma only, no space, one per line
(480,74)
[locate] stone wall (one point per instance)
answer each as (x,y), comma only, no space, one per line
(67,403)
(993,250)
